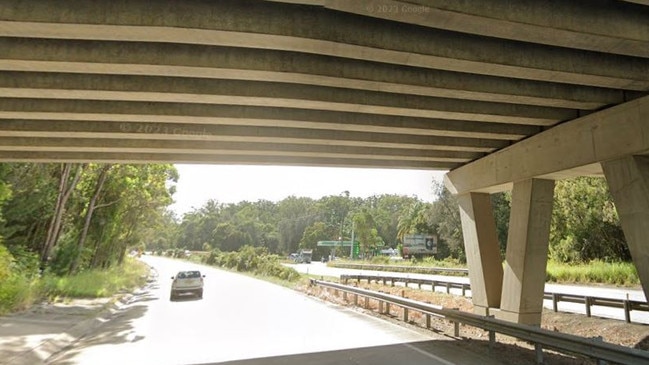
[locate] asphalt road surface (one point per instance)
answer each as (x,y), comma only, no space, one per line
(241,320)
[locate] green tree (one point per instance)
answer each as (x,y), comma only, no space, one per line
(447,222)
(318,231)
(417,219)
(585,225)
(366,234)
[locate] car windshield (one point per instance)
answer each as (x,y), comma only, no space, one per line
(189,274)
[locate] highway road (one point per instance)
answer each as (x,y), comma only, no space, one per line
(317,268)
(242,320)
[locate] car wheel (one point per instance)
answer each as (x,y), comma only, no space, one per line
(172,297)
(200,294)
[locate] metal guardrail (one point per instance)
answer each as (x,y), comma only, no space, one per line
(395,279)
(399,268)
(593,348)
(626,304)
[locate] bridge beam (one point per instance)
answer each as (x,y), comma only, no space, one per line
(560,152)
(483,254)
(527,251)
(628,181)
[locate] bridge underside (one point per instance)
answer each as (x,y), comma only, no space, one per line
(503,95)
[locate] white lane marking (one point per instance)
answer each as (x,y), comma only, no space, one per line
(428,354)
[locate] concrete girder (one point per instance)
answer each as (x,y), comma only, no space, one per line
(175,131)
(603,28)
(120,157)
(609,134)
(45,144)
(235,25)
(137,58)
(42,109)
(257,93)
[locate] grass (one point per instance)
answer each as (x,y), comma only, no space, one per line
(594,272)
(18,293)
(425,262)
(97,283)
(617,273)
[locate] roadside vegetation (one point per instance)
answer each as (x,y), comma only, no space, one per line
(593,272)
(19,291)
(253,260)
(60,224)
(66,229)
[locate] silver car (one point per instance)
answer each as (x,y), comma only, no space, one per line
(187,282)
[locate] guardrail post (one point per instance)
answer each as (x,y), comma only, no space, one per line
(538,350)
(345,296)
(492,340)
(600,339)
(588,301)
(428,321)
(627,311)
(433,284)
(464,290)
(448,288)
(356,299)
(387,308)
(392,281)
(383,281)
(367,302)
(555,302)
(405,315)
(456,329)
(380,307)
(345,280)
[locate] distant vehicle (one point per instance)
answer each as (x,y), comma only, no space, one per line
(419,245)
(304,256)
(187,282)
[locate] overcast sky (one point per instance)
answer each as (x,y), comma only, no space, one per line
(233,184)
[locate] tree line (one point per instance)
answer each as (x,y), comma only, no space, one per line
(66,218)
(69,217)
(585,225)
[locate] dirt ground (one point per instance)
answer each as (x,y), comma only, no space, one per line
(509,350)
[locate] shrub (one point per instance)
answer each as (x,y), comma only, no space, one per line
(255,260)
(380,260)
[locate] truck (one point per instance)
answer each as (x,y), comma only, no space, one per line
(419,245)
(304,256)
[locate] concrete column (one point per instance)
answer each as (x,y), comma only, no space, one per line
(482,252)
(527,251)
(628,181)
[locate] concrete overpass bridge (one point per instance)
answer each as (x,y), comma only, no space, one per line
(504,95)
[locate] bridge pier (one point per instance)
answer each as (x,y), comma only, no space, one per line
(527,252)
(628,181)
(482,251)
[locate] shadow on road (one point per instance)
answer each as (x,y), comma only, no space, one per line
(118,330)
(463,351)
